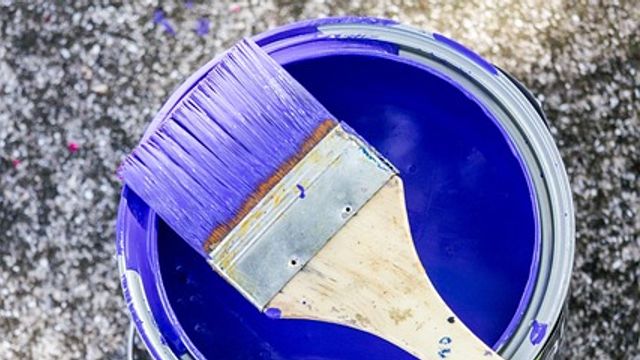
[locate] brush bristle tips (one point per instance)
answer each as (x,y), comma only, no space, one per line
(230,139)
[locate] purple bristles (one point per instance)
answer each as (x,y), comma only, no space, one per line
(228,135)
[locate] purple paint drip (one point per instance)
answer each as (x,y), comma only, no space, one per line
(255,116)
(538,331)
(273,313)
(301,188)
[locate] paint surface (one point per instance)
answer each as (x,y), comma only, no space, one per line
(469,207)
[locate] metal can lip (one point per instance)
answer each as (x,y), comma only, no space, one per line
(520,118)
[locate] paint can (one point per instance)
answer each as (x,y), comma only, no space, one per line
(487,196)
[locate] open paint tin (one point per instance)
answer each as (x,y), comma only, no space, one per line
(487,195)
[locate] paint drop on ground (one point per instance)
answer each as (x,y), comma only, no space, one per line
(160,19)
(234,8)
(167,27)
(15,163)
(538,331)
(202,27)
(73,147)
(301,188)
(273,313)
(158,16)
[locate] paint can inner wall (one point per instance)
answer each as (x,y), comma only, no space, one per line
(469,205)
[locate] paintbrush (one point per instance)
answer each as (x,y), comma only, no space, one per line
(293,208)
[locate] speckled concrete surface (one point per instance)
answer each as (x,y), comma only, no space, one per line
(79,82)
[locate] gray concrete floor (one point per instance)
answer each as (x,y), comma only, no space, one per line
(78,84)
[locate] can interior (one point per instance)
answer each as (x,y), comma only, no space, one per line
(469,203)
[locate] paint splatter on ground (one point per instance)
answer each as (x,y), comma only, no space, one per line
(202,27)
(235,8)
(97,73)
(73,147)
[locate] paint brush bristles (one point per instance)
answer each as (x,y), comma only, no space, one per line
(242,127)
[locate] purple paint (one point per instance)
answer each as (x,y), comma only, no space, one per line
(301,189)
(538,332)
(273,313)
(160,19)
(73,147)
(202,27)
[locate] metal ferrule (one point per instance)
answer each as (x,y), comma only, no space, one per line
(299,215)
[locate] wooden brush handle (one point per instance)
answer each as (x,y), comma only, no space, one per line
(369,277)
